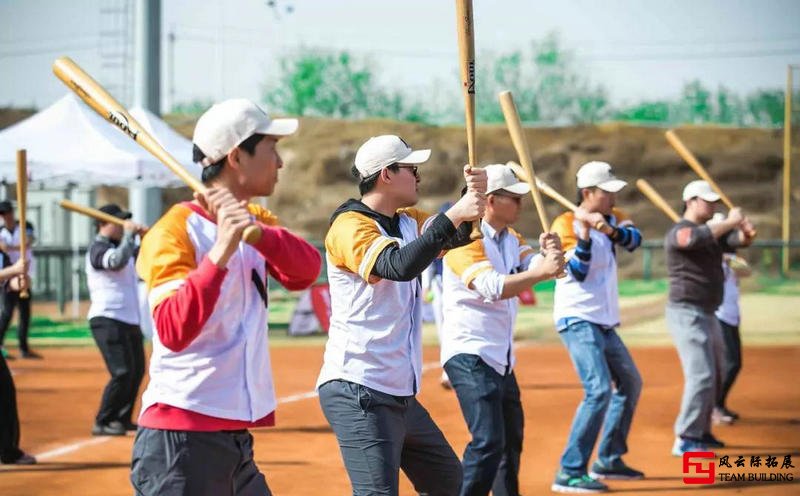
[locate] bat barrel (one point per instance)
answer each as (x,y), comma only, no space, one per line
(523,152)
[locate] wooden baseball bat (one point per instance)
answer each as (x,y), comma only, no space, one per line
(695,164)
(102,102)
(552,193)
(91,212)
(22,207)
(657,199)
(466,51)
(542,186)
(523,152)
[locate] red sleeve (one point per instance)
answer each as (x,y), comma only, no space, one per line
(291,260)
(180,316)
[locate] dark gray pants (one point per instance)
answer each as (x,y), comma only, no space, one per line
(379,434)
(10,300)
(698,339)
(733,360)
(182,463)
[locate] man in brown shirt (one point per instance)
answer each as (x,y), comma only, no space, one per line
(694,263)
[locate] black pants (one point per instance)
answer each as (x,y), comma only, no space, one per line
(9,419)
(122,348)
(10,300)
(187,463)
(733,360)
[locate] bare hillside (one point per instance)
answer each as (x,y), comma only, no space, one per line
(316,179)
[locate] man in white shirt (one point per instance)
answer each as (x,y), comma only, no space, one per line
(114,319)
(9,242)
(481,282)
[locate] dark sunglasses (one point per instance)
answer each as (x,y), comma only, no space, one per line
(413,168)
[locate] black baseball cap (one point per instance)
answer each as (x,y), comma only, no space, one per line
(5,207)
(113,209)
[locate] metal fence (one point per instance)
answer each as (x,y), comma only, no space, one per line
(60,271)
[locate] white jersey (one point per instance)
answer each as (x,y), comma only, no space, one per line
(728,310)
(473,324)
(375,335)
(113,291)
(11,238)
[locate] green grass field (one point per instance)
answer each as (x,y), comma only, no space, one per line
(770,315)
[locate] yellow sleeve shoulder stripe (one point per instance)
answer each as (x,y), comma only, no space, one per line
(262,214)
(563,226)
(166,255)
(524,248)
(354,242)
(468,261)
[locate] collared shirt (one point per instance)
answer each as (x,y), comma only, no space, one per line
(476,321)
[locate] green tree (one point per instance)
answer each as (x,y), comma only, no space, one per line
(765,108)
(321,83)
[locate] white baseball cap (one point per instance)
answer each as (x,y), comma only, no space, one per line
(227,124)
(501,176)
(700,189)
(599,174)
(382,151)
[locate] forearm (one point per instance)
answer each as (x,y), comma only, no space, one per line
(580,261)
(629,237)
(292,260)
(180,316)
(720,229)
(118,257)
(404,264)
(515,284)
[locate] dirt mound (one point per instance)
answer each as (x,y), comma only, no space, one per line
(746,162)
(316,179)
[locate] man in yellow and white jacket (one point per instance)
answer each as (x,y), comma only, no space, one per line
(210,372)
(377,248)
(481,282)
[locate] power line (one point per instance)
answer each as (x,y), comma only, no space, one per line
(693,55)
(36,51)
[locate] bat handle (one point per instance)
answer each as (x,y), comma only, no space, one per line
(251,234)
(476,230)
(602,227)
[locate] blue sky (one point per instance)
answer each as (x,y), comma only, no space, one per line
(638,49)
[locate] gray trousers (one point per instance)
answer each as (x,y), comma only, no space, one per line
(184,463)
(698,339)
(379,434)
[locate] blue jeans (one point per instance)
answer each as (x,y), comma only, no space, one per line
(491,406)
(379,434)
(612,385)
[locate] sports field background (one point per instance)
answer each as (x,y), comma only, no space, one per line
(58,397)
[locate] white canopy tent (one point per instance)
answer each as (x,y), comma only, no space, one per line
(69,146)
(68,143)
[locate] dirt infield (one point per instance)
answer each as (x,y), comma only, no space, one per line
(58,396)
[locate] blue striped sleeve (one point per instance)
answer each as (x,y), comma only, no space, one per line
(629,237)
(578,264)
